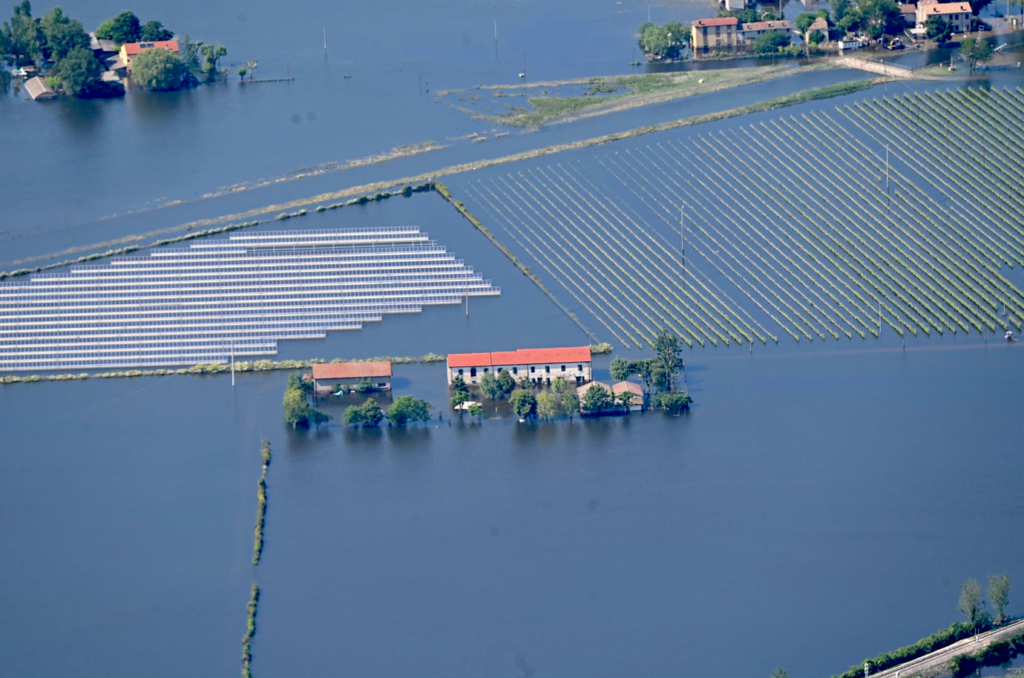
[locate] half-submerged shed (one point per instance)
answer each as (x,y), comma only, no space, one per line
(39,90)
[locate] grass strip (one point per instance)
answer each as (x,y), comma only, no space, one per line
(815,94)
(261,505)
(250,631)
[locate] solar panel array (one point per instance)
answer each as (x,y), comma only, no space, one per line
(238,296)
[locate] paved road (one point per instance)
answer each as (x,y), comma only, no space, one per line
(888,70)
(940,658)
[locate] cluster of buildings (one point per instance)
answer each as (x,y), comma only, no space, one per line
(957,14)
(117,63)
(726,33)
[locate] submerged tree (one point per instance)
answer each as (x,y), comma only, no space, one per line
(159,70)
(125,27)
(970,603)
(548,405)
(154,31)
(999,594)
(523,403)
(596,400)
(408,409)
(975,51)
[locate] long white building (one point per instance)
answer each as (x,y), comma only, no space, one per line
(539,365)
(238,296)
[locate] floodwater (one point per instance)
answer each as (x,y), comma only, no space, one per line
(818,505)
(815,508)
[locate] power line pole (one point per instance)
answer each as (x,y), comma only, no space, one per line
(325,37)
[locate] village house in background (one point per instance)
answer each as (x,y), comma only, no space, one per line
(909,13)
(819,26)
(539,365)
(956,14)
(332,377)
(720,33)
(752,31)
(637,391)
(130,50)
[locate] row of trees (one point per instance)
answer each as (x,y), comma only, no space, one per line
(667,41)
(658,372)
(972,605)
(126,27)
(402,412)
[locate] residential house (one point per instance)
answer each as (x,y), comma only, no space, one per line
(819,26)
(103,48)
(752,31)
(720,33)
(956,14)
(909,12)
(130,50)
(331,377)
(39,90)
(581,391)
(539,365)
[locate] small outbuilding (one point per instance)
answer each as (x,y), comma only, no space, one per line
(331,377)
(39,90)
(637,403)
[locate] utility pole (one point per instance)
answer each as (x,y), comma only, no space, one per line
(495,36)
(232,365)
(325,37)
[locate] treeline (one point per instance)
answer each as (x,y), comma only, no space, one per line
(667,41)
(261,505)
(999,652)
(403,411)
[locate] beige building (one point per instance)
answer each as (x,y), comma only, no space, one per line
(637,401)
(956,14)
(331,377)
(539,365)
(820,26)
(755,29)
(719,33)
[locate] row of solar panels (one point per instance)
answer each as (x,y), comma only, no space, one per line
(237,296)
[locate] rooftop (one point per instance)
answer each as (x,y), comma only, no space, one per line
(819,25)
(352,370)
(622,386)
(581,390)
(947,8)
(768,26)
(38,89)
(717,21)
(522,356)
(133,48)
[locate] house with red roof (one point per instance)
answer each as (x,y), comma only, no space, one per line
(331,377)
(539,365)
(130,50)
(719,33)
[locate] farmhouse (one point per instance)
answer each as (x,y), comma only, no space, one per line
(909,12)
(956,14)
(330,377)
(130,50)
(717,33)
(539,365)
(820,27)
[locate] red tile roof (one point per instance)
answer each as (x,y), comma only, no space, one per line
(469,360)
(717,21)
(527,356)
(351,370)
(768,26)
(133,48)
(948,8)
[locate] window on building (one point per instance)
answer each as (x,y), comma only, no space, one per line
(533,369)
(563,368)
(515,370)
(460,372)
(472,371)
(547,368)
(579,367)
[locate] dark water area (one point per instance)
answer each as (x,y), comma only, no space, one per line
(829,502)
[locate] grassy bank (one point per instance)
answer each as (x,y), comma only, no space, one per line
(445,193)
(612,94)
(805,96)
(937,640)
(250,631)
(261,505)
(218,368)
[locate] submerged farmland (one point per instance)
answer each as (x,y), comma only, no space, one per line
(897,214)
(220,298)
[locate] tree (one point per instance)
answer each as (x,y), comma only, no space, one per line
(353,416)
(975,50)
(188,52)
(159,70)
(804,21)
(407,409)
(318,418)
(620,369)
(297,382)
(476,410)
(80,72)
(548,405)
(154,31)
(25,37)
(596,400)
(999,594)
(883,17)
(523,403)
(490,387)
(663,42)
(62,34)
(241,73)
(840,8)
(296,409)
(372,414)
(770,42)
(251,66)
(938,29)
(970,601)
(667,343)
(570,404)
(978,5)
(645,370)
(673,402)
(625,400)
(125,27)
(851,22)
(213,55)
(816,38)
(779,672)
(459,398)
(505,382)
